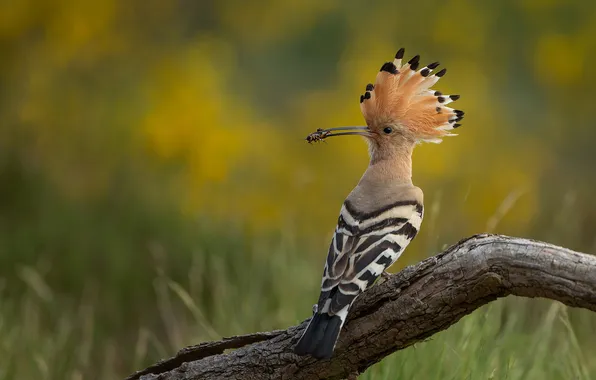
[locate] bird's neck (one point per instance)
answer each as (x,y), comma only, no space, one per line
(391,164)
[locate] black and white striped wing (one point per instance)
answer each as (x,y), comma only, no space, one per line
(363,246)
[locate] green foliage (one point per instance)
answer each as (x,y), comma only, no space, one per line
(234,288)
(156,191)
(500,341)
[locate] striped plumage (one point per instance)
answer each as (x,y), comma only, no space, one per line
(384,211)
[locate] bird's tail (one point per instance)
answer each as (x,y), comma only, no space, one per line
(320,336)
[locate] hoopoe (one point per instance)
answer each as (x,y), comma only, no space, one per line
(384,211)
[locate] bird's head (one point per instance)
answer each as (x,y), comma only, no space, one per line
(401,109)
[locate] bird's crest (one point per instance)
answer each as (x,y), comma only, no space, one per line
(402,97)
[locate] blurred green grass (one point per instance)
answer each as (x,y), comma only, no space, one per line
(267,284)
(156,191)
(162,282)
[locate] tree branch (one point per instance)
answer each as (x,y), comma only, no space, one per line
(410,306)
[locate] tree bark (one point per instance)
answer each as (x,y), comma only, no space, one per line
(410,306)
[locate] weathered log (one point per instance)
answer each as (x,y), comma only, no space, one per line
(410,306)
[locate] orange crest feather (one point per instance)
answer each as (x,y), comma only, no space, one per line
(401,96)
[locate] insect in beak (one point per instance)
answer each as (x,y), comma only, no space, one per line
(321,134)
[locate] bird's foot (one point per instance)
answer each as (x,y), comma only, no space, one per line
(384,277)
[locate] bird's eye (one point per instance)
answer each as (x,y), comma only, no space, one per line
(387,130)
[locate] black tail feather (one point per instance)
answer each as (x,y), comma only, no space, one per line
(320,336)
(327,344)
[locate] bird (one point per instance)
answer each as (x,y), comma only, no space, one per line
(383,213)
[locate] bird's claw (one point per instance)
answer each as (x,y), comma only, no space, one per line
(384,277)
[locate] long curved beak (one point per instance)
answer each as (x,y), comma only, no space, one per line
(343,131)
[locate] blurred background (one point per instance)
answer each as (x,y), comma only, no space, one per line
(156,189)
